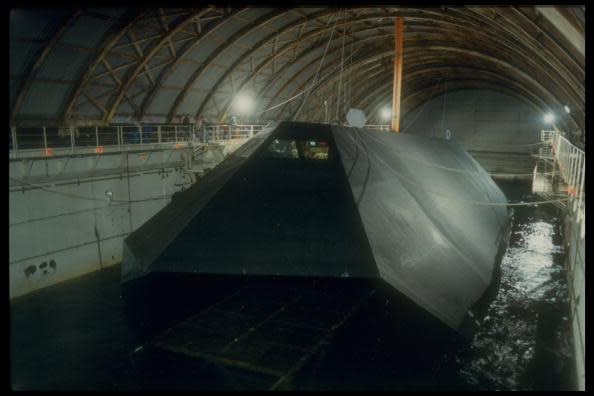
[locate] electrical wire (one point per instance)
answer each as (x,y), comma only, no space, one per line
(424,105)
(319,67)
(330,73)
(348,103)
(341,64)
(88,198)
(432,164)
(441,193)
(445,94)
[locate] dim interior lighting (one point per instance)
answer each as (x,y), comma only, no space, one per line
(386,113)
(549,118)
(567,109)
(244,103)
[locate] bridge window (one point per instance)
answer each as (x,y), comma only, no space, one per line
(283,148)
(294,149)
(313,149)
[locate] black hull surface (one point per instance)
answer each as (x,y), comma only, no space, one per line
(322,202)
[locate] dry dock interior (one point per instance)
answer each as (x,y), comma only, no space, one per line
(116,112)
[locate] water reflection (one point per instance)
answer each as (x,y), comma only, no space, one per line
(523,341)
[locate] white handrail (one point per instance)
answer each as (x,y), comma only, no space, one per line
(43,141)
(572,164)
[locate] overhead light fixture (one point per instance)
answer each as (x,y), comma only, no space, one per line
(243,103)
(549,118)
(386,113)
(567,109)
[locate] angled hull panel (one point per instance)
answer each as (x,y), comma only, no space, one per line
(306,200)
(432,237)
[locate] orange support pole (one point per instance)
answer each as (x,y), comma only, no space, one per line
(397,88)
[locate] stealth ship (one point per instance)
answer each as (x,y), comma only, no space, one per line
(305,200)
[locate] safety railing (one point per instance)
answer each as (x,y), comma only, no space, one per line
(546,150)
(572,167)
(226,132)
(48,141)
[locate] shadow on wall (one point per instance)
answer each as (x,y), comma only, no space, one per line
(478,119)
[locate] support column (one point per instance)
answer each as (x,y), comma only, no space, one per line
(397,88)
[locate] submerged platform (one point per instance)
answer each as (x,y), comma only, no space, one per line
(320,201)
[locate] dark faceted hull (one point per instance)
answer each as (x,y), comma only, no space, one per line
(305,201)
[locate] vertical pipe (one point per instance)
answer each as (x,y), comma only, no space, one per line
(397,87)
(577,181)
(175,129)
(573,162)
(71,131)
(159,133)
(581,189)
(14,142)
(573,178)
(44,140)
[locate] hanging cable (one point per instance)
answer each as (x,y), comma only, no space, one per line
(348,104)
(440,193)
(79,196)
(432,164)
(330,73)
(424,105)
(445,93)
(341,64)
(319,67)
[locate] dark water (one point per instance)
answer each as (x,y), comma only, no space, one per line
(522,343)
(75,336)
(524,340)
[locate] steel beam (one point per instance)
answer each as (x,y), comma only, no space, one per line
(118,32)
(397,87)
(34,68)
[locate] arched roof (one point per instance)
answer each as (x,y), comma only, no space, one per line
(101,65)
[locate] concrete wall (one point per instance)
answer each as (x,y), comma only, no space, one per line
(487,123)
(576,279)
(70,227)
(478,119)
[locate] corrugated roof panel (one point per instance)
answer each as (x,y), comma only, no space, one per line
(13,87)
(98,90)
(228,28)
(180,75)
(124,108)
(193,100)
(200,52)
(36,23)
(22,54)
(209,77)
(254,36)
(63,64)
(282,21)
(111,12)
(146,28)
(252,13)
(86,32)
(45,98)
(162,102)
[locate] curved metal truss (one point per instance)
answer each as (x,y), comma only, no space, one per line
(299,63)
